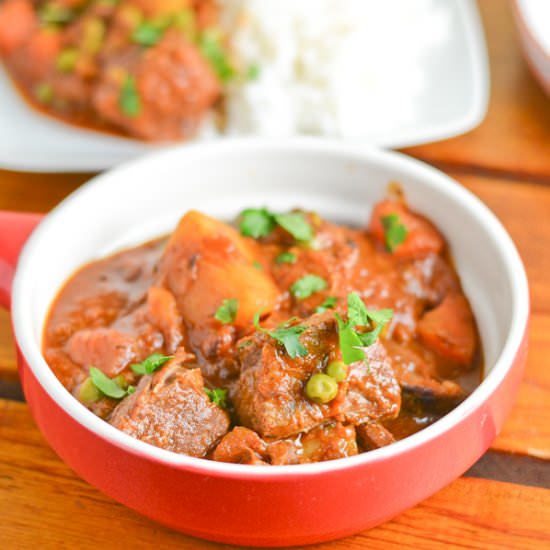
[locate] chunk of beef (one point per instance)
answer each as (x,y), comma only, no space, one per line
(422,236)
(241,446)
(43,48)
(18,23)
(449,329)
(373,435)
(372,390)
(430,279)
(270,396)
(326,442)
(175,85)
(105,348)
(171,410)
(418,376)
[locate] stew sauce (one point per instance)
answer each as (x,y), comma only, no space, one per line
(285,340)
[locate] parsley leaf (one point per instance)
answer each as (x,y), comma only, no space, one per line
(151,363)
(260,222)
(381,318)
(296,224)
(286,258)
(253,72)
(351,340)
(146,34)
(256,222)
(218,396)
(129,100)
(53,14)
(211,48)
(328,303)
(105,385)
(227,312)
(357,311)
(394,231)
(307,285)
(289,337)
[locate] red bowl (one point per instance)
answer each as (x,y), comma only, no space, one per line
(254,505)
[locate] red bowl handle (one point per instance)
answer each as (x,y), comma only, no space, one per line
(15,228)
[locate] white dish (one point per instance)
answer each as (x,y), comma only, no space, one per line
(533,21)
(454,101)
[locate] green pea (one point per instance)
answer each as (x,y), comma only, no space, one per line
(121,381)
(44,92)
(184,21)
(66,60)
(88,393)
(130,15)
(337,370)
(162,22)
(321,388)
(93,35)
(50,13)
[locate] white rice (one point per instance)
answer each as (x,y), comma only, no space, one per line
(342,68)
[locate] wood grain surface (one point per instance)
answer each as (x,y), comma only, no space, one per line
(506,163)
(49,504)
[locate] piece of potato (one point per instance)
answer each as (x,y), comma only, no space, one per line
(206,262)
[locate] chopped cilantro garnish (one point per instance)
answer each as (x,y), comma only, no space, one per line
(227,312)
(244,344)
(350,344)
(286,258)
(107,386)
(151,363)
(256,222)
(260,222)
(257,265)
(253,72)
(353,340)
(147,34)
(212,49)
(328,303)
(218,396)
(307,285)
(129,100)
(288,336)
(394,231)
(53,14)
(296,224)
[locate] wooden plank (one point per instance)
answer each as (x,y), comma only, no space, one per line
(36,192)
(44,505)
(515,135)
(527,430)
(8,366)
(524,209)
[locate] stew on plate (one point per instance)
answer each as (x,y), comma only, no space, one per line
(150,69)
(282,339)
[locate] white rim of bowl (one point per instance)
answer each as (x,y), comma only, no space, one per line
(430,176)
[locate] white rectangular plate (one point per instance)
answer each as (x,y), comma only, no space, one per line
(454,101)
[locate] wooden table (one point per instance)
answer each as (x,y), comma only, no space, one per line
(502,502)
